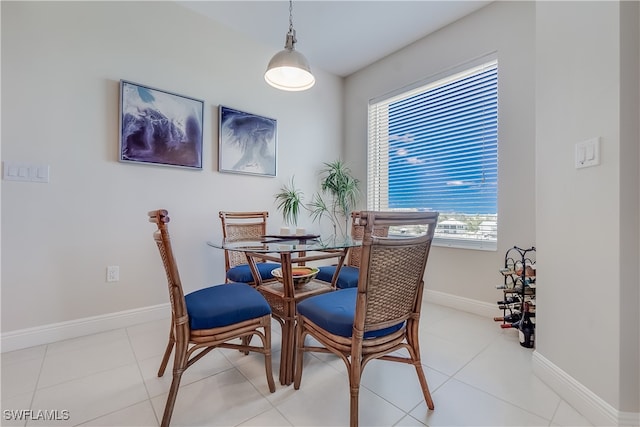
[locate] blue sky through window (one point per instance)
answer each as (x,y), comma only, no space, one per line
(443,147)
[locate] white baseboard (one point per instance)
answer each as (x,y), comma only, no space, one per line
(480,308)
(595,409)
(23,338)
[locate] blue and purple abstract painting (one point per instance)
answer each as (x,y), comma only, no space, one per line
(159,127)
(247,143)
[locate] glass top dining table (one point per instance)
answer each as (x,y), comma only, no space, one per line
(283,295)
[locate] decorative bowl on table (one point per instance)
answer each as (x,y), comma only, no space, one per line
(301,275)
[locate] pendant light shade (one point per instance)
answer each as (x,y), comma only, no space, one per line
(289,69)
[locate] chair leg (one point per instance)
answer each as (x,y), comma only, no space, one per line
(355,372)
(354,392)
(245,342)
(423,385)
(167,353)
(267,355)
(171,399)
(297,373)
(179,365)
(414,353)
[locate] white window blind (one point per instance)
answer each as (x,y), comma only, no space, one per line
(435,148)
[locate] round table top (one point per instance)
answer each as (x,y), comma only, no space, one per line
(273,243)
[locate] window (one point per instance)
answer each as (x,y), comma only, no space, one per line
(434,147)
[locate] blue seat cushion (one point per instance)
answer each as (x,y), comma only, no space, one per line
(242,273)
(335,312)
(224,305)
(348,277)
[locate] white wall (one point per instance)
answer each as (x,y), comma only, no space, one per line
(508,29)
(629,206)
(61,67)
(560,82)
(587,86)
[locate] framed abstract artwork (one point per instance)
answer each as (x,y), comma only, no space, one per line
(247,143)
(159,127)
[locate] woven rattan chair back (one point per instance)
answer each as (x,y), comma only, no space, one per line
(176,294)
(241,226)
(389,295)
(392,269)
(357,233)
(191,345)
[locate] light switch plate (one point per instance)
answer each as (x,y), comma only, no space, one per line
(29,172)
(40,173)
(587,153)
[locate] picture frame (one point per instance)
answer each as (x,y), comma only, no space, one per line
(247,143)
(158,127)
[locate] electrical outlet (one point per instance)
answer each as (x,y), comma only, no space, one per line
(113,273)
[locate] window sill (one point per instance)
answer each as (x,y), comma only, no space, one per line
(478,245)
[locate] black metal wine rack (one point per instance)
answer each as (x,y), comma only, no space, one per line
(518,304)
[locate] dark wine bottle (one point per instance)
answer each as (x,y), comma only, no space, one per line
(526,328)
(512,306)
(515,324)
(509,300)
(509,318)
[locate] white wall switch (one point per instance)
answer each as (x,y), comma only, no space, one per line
(587,153)
(15,171)
(40,173)
(113,273)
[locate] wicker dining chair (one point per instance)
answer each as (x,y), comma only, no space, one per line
(348,275)
(380,316)
(239,226)
(208,318)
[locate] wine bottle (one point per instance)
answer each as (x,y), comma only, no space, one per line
(509,318)
(512,306)
(510,300)
(526,328)
(515,325)
(527,289)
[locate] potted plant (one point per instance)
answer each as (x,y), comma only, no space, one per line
(336,200)
(338,197)
(289,201)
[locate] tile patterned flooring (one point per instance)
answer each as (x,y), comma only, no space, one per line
(477,372)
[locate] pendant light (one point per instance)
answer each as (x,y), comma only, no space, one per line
(289,69)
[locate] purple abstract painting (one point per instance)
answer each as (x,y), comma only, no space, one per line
(159,127)
(247,143)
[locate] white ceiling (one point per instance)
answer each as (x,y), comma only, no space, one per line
(340,37)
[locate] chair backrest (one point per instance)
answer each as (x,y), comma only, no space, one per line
(357,233)
(240,226)
(161,236)
(392,268)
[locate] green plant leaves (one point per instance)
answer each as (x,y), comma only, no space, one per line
(337,199)
(289,201)
(342,187)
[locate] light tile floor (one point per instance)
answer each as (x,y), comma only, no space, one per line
(477,372)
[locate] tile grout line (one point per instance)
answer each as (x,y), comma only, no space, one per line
(144,383)
(491,342)
(36,388)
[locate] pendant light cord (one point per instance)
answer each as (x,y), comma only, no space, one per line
(292,32)
(290,16)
